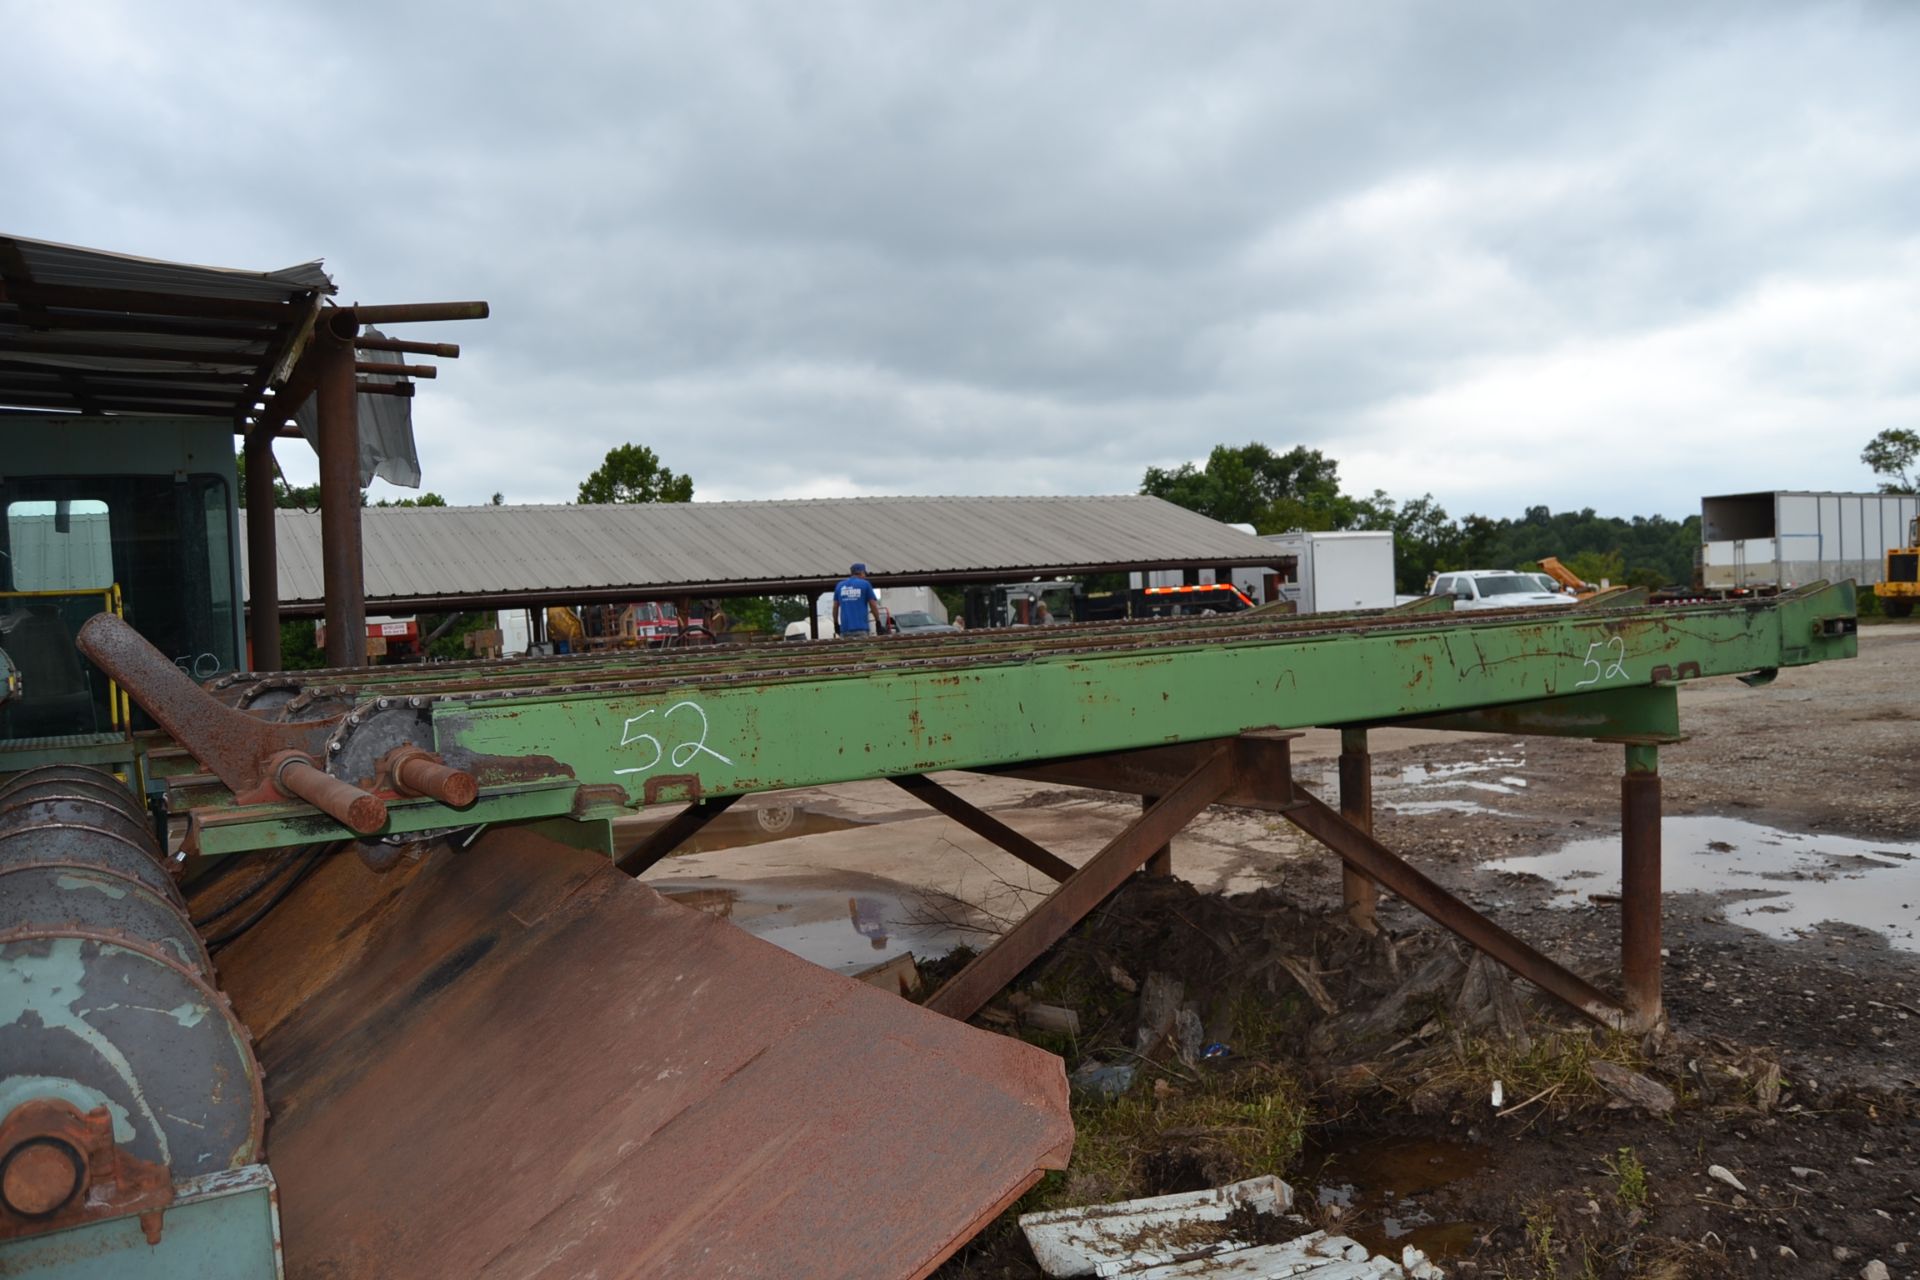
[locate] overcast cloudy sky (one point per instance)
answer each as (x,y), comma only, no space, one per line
(1616,255)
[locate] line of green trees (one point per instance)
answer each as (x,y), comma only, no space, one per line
(1300,489)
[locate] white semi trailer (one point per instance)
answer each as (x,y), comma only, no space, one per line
(1765,542)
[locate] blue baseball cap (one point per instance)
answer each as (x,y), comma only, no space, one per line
(857,568)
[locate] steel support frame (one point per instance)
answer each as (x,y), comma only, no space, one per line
(676,831)
(263,565)
(984,825)
(1368,866)
(1640,899)
(1359,892)
(962,995)
(341,563)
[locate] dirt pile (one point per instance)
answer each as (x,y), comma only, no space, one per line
(1225,1037)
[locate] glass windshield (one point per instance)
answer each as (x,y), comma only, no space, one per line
(1507,584)
(914,618)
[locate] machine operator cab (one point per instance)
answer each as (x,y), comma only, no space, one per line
(129,516)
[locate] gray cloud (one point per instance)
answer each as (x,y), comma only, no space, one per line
(1614,256)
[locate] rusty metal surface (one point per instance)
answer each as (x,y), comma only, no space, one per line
(1640,889)
(519,1062)
(339,449)
(1360,894)
(63,1168)
(345,803)
(235,747)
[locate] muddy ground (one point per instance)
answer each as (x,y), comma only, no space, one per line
(1794,1057)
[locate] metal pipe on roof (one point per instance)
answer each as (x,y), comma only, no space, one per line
(411,312)
(263,560)
(396,370)
(341,566)
(445,350)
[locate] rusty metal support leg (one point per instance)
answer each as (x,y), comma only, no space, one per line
(1361,850)
(263,566)
(1640,887)
(675,832)
(1002,962)
(983,824)
(1361,894)
(341,565)
(1159,863)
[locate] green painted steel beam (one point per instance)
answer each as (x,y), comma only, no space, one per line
(732,731)
(802,732)
(1648,713)
(228,828)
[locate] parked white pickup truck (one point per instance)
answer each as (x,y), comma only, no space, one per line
(1494,589)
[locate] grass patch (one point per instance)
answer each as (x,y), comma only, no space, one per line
(1165,1137)
(1629,1178)
(1553,1072)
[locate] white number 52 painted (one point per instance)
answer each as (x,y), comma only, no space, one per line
(683,754)
(1615,649)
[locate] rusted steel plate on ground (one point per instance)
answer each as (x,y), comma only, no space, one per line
(532,1065)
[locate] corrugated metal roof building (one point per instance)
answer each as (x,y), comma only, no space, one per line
(499,557)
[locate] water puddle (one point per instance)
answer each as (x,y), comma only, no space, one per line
(1787,883)
(846,922)
(1469,775)
(1380,1194)
(1458,786)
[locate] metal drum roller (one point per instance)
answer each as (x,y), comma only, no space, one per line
(76,811)
(94,902)
(62,778)
(94,848)
(122,1069)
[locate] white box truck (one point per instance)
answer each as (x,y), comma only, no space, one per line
(1334,572)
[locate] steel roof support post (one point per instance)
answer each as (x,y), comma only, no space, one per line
(263,565)
(341,564)
(1640,887)
(1358,890)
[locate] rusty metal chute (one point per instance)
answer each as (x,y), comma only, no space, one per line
(514,1060)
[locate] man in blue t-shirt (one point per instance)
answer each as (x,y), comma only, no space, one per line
(855,601)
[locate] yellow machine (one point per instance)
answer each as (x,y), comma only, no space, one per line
(1901,586)
(1566,577)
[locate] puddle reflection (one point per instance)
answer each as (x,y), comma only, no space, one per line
(845,922)
(1377,1193)
(1788,883)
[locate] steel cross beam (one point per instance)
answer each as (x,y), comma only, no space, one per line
(984,824)
(985,975)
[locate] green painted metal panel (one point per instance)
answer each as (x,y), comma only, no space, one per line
(230,829)
(222,1226)
(737,738)
(699,727)
(1650,713)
